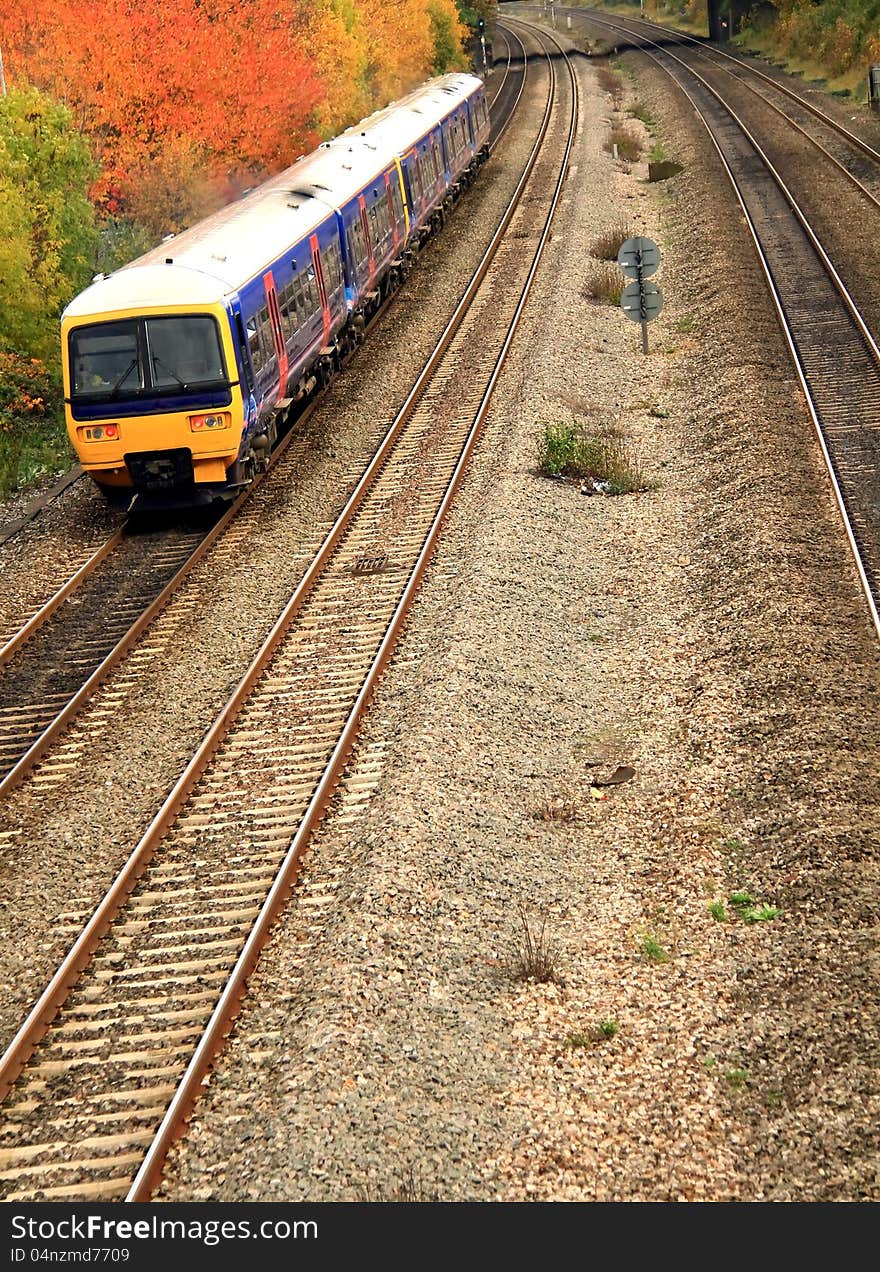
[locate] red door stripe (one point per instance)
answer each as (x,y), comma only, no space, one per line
(322,285)
(277,332)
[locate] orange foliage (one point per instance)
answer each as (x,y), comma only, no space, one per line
(228,80)
(185,103)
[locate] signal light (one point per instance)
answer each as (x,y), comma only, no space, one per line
(220,419)
(99,433)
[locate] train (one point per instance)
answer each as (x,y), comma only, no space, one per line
(183,368)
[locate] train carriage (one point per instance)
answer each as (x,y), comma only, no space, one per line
(179,366)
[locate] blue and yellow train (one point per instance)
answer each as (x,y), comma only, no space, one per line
(180,369)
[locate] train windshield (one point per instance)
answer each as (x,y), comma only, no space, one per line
(146,357)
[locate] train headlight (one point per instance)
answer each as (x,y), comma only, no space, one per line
(99,433)
(219,419)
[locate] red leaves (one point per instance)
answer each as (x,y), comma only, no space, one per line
(217,92)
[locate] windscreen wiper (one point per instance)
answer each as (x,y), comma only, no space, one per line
(126,373)
(158,362)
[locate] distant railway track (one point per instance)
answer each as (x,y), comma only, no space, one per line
(810,273)
(55,659)
(108,1065)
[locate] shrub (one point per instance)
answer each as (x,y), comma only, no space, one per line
(604,282)
(629,145)
(609,243)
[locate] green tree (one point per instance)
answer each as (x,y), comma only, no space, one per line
(447,46)
(48,234)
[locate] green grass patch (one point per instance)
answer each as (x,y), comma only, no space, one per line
(750,910)
(761,913)
(652,949)
(564,450)
(718,912)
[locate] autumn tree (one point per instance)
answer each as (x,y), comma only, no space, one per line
(185,103)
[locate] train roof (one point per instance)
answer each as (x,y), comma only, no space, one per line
(400,125)
(147,287)
(219,255)
(211,259)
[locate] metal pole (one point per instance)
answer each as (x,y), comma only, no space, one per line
(642,301)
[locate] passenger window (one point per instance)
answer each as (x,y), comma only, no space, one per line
(254,344)
(265,332)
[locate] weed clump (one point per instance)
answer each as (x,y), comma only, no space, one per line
(604,282)
(604,462)
(628,143)
(653,951)
(534,955)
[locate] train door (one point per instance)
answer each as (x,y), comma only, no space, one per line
(392,212)
(368,239)
(322,285)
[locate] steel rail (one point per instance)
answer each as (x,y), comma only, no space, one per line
(712,51)
(507,71)
(33,509)
(837,282)
(45,612)
(713,56)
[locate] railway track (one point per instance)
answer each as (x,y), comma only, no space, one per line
(833,348)
(55,658)
(103,1073)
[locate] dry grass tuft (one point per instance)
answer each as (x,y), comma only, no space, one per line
(604,282)
(609,243)
(534,957)
(628,143)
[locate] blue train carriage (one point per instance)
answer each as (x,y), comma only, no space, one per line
(175,365)
(439,135)
(178,367)
(365,191)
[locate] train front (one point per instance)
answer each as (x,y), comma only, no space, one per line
(151,385)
